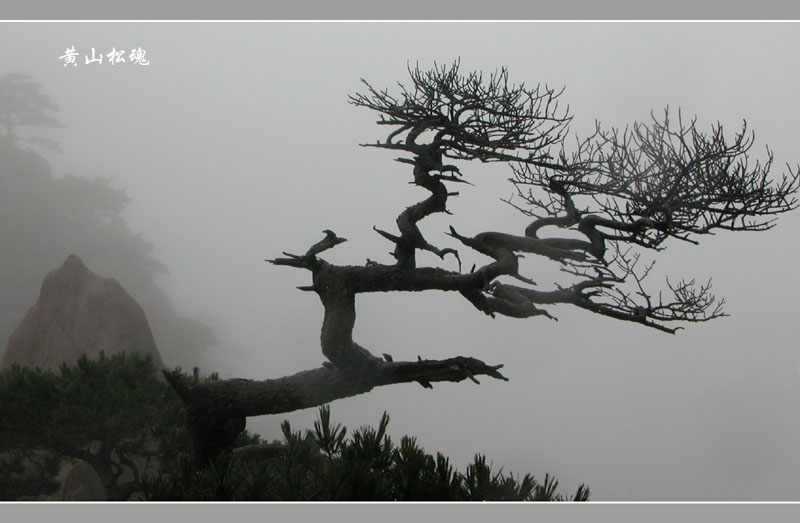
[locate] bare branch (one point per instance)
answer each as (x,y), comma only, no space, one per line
(654,181)
(469,116)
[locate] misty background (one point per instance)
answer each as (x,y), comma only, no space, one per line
(237,143)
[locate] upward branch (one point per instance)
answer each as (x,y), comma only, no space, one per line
(445,114)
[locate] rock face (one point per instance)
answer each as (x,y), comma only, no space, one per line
(78,482)
(79,312)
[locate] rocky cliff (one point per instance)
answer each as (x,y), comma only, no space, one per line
(78,312)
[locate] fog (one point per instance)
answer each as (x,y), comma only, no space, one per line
(236,143)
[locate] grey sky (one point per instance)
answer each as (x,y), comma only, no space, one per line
(237,143)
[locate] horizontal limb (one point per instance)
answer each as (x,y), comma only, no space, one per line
(216,410)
